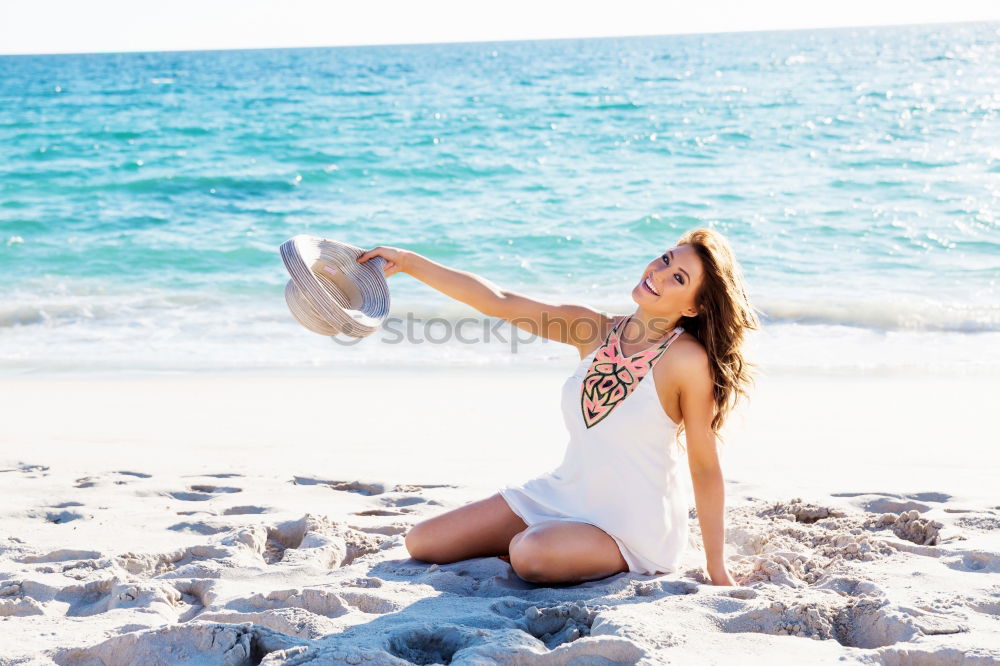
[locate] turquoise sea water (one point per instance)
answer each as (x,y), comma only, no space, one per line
(856,173)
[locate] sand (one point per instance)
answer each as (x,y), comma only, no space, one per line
(224,520)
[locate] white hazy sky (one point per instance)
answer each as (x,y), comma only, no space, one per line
(80,26)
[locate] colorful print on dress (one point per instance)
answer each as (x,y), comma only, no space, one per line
(612,376)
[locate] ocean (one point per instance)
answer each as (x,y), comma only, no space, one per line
(855,172)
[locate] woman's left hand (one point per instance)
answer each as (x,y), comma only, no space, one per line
(720,575)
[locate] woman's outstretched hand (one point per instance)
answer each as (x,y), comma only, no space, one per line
(395,258)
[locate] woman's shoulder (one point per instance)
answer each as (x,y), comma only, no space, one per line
(687,355)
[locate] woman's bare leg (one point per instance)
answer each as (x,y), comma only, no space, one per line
(562,551)
(477,529)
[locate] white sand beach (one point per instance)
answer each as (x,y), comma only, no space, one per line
(244,520)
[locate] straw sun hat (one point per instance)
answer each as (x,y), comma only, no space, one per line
(330,291)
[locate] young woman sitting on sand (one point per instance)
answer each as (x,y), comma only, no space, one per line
(616,503)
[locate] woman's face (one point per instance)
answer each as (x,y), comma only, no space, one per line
(675,278)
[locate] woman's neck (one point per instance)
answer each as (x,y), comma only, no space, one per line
(643,330)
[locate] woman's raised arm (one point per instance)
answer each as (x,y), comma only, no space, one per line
(576,325)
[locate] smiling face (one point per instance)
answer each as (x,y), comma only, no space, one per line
(669,283)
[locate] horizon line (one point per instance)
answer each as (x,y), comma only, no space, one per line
(502,41)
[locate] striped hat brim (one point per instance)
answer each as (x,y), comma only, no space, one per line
(330,292)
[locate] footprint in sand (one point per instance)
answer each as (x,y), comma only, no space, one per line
(32,471)
(431,646)
(889,505)
(382,512)
(195,596)
(312,540)
(367,488)
(201,493)
(407,500)
(975,560)
(199,528)
(134,475)
(215,489)
(417,487)
(860,617)
(220,475)
(245,510)
(60,517)
(861,623)
(553,625)
(100,596)
(91,481)
(61,555)
(979,521)
(986,606)
(65,505)
(359,487)
(930,497)
(924,497)
(396,504)
(318,601)
(186,496)
(386,530)
(207,642)
(369,603)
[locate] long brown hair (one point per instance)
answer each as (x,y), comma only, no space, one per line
(725,313)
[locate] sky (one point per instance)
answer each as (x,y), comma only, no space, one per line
(100,26)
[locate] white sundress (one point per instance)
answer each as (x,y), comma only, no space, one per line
(622,471)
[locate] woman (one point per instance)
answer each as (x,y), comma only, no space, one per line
(615,503)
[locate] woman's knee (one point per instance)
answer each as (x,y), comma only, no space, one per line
(530,558)
(418,544)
